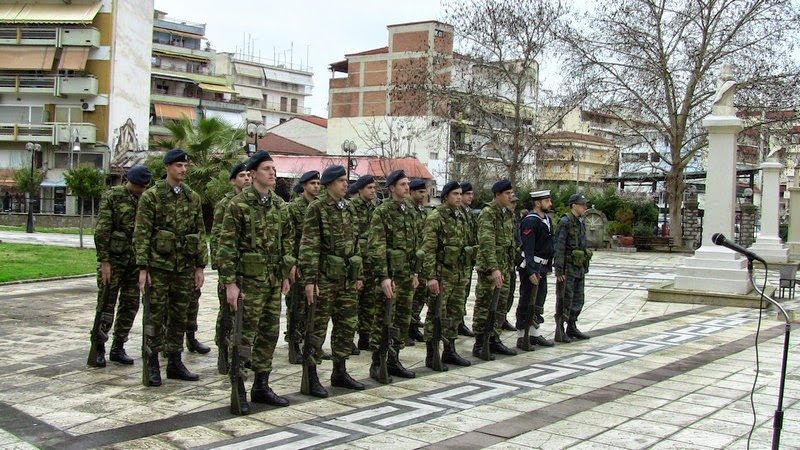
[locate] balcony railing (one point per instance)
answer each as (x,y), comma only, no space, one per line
(50,36)
(50,132)
(53,85)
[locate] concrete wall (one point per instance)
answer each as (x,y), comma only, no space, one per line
(46,220)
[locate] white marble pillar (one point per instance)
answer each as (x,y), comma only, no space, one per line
(794,222)
(768,245)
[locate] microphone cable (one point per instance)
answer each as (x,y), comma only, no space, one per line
(758,367)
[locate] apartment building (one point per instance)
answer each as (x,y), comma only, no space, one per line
(74,82)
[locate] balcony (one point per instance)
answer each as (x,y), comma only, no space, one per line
(223,106)
(48,132)
(49,36)
(56,86)
(174,100)
(174,50)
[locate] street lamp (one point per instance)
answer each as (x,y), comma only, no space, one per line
(254,131)
(74,146)
(33,148)
(349,147)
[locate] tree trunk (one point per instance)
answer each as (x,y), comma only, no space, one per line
(80,224)
(675,186)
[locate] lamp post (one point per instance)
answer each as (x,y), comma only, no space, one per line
(349,147)
(33,148)
(254,131)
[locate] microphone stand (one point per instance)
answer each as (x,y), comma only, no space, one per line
(777,422)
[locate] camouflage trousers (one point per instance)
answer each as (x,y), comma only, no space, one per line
(219,339)
(483,300)
(467,289)
(419,300)
(338,303)
(170,295)
(401,314)
(192,311)
(512,287)
(569,298)
(451,288)
(296,294)
(123,291)
(366,304)
(261,319)
(529,293)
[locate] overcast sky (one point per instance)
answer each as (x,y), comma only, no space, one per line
(319,31)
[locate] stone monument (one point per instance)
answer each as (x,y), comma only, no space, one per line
(794,216)
(768,245)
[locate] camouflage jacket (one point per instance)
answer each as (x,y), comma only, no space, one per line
(329,234)
(297,214)
(444,240)
(392,242)
(113,234)
(420,215)
(472,225)
(496,242)
(169,233)
(361,211)
(256,239)
(219,214)
(571,236)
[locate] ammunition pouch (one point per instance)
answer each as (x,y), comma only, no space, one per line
(252,265)
(469,256)
(192,244)
(165,242)
(355,266)
(419,256)
(120,243)
(451,255)
(398,263)
(579,258)
(589,255)
(334,268)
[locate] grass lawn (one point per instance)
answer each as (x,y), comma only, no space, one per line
(27,262)
(66,230)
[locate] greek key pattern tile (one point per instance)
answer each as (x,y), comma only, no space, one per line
(425,406)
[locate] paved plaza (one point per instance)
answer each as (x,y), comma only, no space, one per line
(654,375)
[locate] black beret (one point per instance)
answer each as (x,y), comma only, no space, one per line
(257,158)
(501,186)
(417,184)
(394,177)
(308,176)
(140,175)
(578,198)
(332,173)
(298,188)
(361,183)
(237,169)
(466,187)
(449,187)
(175,155)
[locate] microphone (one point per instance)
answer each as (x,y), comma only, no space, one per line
(720,239)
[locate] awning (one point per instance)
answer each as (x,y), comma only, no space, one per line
(170,76)
(73,58)
(54,183)
(249,71)
(254,115)
(26,57)
(217,88)
(233,119)
(171,54)
(249,92)
(174,111)
(44,13)
(177,33)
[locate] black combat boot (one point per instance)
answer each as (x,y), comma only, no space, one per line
(508,327)
(430,350)
(314,386)
(396,367)
(262,393)
(117,354)
(176,369)
(574,332)
(499,348)
(521,345)
(363,341)
(340,377)
(463,330)
(414,334)
(450,356)
(294,349)
(354,350)
(561,335)
(195,346)
(477,347)
(153,370)
(375,367)
(245,407)
(100,358)
(540,341)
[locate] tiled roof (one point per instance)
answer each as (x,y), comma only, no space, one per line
(282,146)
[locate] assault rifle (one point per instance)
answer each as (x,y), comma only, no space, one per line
(528,320)
(102,325)
(224,337)
(239,354)
(293,334)
(388,335)
(439,322)
(311,344)
(148,335)
(489,326)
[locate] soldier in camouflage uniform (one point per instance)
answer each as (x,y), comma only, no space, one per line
(118,273)
(392,255)
(471,241)
(571,263)
(443,246)
(254,258)
(362,204)
(170,244)
(309,190)
(331,265)
(418,202)
(512,283)
(240,179)
(495,261)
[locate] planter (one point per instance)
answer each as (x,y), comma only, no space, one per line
(626,241)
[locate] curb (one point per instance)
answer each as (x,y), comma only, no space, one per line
(37,280)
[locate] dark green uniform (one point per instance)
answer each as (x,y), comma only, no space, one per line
(361,211)
(113,240)
(255,252)
(216,228)
(570,243)
(169,241)
(471,241)
(297,214)
(421,292)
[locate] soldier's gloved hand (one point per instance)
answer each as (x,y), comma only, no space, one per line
(433,286)
(498,279)
(387,286)
(232,294)
(105,272)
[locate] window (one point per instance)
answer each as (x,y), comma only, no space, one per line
(433,154)
(22,114)
(294,105)
(284,103)
(439,33)
(69,114)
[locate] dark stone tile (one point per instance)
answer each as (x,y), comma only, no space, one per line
(471,440)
